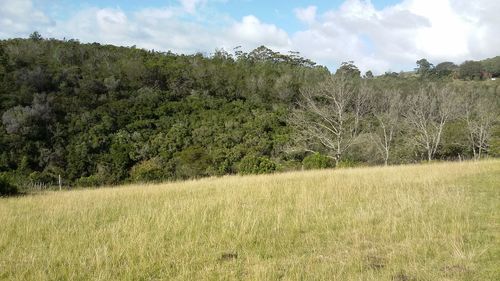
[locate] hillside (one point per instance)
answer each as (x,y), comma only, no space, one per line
(416,222)
(100,114)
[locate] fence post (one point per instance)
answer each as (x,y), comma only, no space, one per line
(60,183)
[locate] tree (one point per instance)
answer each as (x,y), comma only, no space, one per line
(7,187)
(445,69)
(492,65)
(35,36)
(424,67)
(348,69)
(368,75)
(29,120)
(480,114)
(427,112)
(328,116)
(470,70)
(387,114)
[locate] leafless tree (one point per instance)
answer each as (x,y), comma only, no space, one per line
(387,113)
(479,113)
(328,116)
(427,113)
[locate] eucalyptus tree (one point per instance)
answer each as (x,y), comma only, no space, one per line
(328,115)
(480,111)
(387,111)
(427,112)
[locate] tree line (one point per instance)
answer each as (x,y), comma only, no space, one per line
(431,120)
(100,114)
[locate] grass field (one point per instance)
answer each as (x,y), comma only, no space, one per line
(418,222)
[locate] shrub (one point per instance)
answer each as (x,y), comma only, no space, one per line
(347,163)
(252,164)
(192,162)
(148,170)
(316,161)
(7,187)
(289,165)
(90,181)
(42,177)
(495,142)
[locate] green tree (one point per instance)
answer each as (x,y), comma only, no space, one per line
(252,164)
(348,69)
(445,69)
(424,67)
(470,70)
(35,36)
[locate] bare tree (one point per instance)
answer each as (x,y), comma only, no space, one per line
(328,116)
(480,113)
(427,113)
(387,113)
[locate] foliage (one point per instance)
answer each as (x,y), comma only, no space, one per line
(471,70)
(100,114)
(425,68)
(495,142)
(6,186)
(350,70)
(316,161)
(347,163)
(147,171)
(90,181)
(446,69)
(252,164)
(492,65)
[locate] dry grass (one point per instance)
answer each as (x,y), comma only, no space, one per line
(422,222)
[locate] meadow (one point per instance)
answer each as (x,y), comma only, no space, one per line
(438,221)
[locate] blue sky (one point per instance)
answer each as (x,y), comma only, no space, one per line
(269,11)
(378,35)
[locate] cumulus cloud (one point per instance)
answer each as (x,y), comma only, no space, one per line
(306,15)
(396,36)
(390,38)
(19,17)
(167,29)
(190,6)
(158,29)
(251,32)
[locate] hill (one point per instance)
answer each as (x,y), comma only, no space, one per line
(416,222)
(100,114)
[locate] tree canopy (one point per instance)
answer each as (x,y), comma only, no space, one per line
(100,114)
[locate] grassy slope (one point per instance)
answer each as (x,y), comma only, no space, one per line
(423,222)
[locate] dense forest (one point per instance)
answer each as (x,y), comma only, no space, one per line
(100,114)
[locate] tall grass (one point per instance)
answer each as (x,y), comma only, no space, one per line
(418,222)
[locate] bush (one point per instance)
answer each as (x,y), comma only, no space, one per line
(192,162)
(252,164)
(42,177)
(347,163)
(289,165)
(90,181)
(148,170)
(316,161)
(7,187)
(495,142)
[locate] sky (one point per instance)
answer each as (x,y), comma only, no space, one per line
(378,35)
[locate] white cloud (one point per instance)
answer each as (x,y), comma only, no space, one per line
(392,38)
(396,36)
(251,32)
(446,36)
(306,15)
(190,6)
(20,17)
(165,29)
